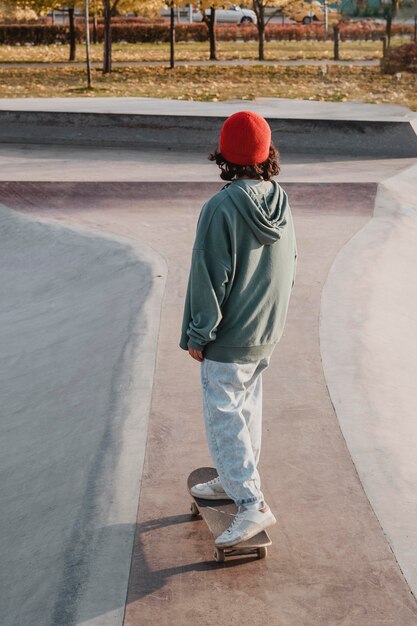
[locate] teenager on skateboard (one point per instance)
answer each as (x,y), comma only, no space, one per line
(242,271)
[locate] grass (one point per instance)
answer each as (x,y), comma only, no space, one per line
(189,51)
(212,83)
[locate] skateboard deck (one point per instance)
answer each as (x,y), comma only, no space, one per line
(218,515)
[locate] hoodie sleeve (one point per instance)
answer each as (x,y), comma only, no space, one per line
(209,281)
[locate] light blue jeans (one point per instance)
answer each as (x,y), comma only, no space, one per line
(232,403)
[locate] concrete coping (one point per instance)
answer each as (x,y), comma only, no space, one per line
(298,127)
(274,108)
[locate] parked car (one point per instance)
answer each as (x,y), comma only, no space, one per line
(229,13)
(307,12)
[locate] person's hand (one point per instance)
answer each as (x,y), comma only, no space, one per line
(196,354)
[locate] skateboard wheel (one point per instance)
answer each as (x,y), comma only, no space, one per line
(194,509)
(219,555)
(262,552)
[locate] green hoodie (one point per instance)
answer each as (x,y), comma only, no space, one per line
(242,271)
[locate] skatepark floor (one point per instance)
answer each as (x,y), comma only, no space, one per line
(105,428)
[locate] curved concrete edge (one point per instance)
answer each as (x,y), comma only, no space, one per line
(112,562)
(368,339)
(112,536)
(397,195)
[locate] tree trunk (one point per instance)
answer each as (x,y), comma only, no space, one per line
(361,6)
(212,34)
(114,9)
(107,38)
(73,44)
(384,46)
(259,8)
(336,39)
(172,37)
(87,41)
(95,28)
(389,28)
(390,15)
(261,43)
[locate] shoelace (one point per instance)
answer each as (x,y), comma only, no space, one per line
(214,481)
(234,523)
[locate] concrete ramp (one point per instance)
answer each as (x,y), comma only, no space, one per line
(369,348)
(330,562)
(298,127)
(74,310)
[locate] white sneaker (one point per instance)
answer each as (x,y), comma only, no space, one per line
(212,490)
(247,524)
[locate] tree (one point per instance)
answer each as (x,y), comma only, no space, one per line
(401,8)
(87,41)
(292,6)
(152,8)
(262,22)
(210,21)
(41,7)
(107,37)
(211,24)
(71,19)
(12,12)
(112,8)
(171,35)
(390,9)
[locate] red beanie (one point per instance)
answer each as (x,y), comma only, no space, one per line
(245,138)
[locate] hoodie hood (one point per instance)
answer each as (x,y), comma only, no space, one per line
(262,206)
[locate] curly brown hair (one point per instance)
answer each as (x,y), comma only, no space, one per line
(266,170)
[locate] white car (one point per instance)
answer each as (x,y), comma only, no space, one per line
(230,13)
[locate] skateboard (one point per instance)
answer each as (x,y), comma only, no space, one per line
(218,515)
